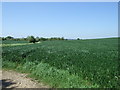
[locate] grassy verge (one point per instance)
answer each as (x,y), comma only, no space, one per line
(50,75)
(17,44)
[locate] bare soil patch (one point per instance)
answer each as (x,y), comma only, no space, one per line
(12,79)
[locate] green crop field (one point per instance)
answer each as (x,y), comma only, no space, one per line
(66,64)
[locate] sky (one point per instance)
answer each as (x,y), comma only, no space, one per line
(70,20)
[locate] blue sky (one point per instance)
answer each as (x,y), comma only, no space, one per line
(60,19)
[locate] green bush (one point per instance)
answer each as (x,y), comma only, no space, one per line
(31,39)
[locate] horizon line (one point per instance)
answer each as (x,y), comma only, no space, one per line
(63,37)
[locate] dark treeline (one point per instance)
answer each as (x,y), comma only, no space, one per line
(31,38)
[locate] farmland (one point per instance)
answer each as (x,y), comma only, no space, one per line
(66,64)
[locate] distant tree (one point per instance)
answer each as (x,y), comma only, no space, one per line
(51,38)
(18,39)
(37,39)
(0,38)
(62,38)
(58,38)
(9,38)
(78,39)
(3,38)
(31,39)
(43,39)
(23,39)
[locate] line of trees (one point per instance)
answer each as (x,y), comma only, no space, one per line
(31,38)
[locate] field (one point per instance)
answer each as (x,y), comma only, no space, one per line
(66,64)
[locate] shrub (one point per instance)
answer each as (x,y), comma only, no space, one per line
(31,39)
(9,38)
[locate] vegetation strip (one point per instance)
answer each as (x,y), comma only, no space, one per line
(5,45)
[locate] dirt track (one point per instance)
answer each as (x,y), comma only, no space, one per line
(12,79)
